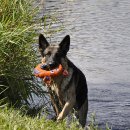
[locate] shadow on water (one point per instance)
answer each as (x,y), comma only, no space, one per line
(100,44)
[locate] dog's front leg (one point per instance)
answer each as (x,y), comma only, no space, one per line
(67,107)
(65,111)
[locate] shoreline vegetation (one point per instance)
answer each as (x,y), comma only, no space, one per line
(17,58)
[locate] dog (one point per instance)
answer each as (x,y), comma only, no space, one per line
(69,88)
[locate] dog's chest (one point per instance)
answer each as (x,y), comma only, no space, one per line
(61,85)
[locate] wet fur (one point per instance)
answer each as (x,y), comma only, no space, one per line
(71,91)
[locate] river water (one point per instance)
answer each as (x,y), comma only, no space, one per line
(100,47)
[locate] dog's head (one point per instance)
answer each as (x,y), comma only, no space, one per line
(53,54)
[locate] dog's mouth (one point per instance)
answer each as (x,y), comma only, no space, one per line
(49,66)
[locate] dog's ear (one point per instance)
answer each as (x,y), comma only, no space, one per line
(43,43)
(65,44)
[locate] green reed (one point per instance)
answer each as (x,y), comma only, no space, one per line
(17,57)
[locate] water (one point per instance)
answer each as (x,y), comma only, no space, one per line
(100,47)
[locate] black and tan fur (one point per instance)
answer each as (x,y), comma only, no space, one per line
(71,91)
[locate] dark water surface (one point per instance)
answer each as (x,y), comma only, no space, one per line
(100,46)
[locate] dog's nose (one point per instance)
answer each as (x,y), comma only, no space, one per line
(44,66)
(51,64)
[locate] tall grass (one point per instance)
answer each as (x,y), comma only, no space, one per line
(17,58)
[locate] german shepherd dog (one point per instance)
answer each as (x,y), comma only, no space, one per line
(71,89)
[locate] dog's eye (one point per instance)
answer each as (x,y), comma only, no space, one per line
(58,54)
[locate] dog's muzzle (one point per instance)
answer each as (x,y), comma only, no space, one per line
(51,65)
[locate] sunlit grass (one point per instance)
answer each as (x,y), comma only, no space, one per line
(13,120)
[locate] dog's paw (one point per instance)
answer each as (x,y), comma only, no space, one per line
(60,117)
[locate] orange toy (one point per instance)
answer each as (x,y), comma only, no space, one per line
(41,73)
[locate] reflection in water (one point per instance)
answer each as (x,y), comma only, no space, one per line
(100,46)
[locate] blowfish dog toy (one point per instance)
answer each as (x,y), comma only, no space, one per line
(41,73)
(47,75)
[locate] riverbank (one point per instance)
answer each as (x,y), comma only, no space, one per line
(11,119)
